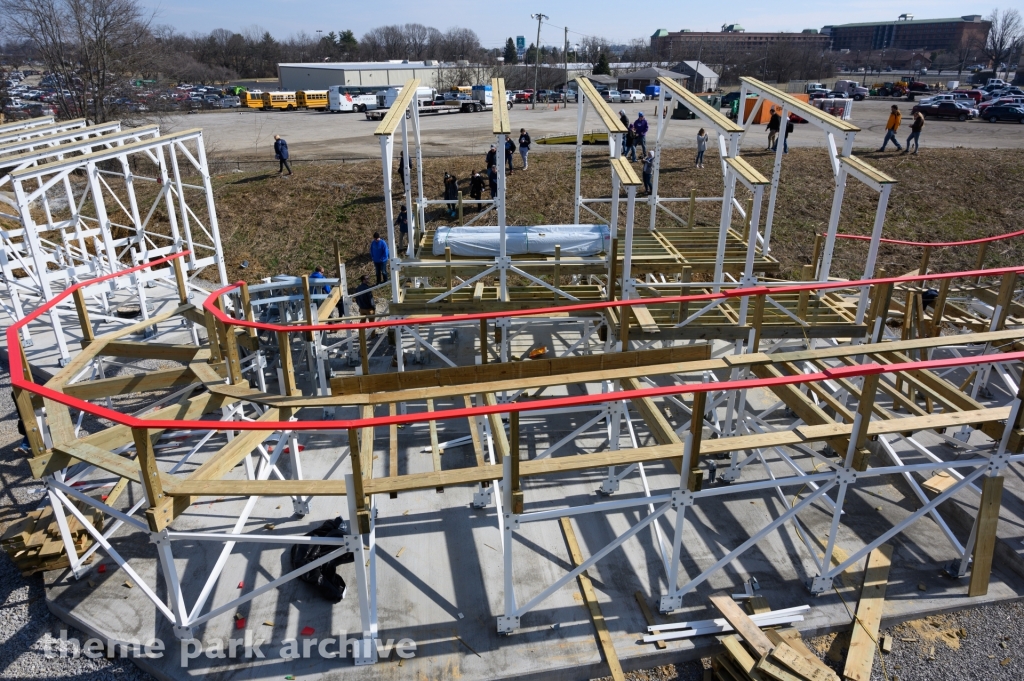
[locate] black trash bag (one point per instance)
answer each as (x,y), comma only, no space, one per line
(929,297)
(330,583)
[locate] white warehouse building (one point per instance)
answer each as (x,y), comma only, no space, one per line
(320,76)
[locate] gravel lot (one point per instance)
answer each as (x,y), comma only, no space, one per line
(26,627)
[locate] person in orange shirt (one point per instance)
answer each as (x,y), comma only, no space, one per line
(891,127)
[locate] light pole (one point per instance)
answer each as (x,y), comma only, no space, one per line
(536,55)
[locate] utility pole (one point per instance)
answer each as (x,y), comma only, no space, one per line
(536,55)
(565,54)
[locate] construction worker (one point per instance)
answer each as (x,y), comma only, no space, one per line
(318,273)
(476,187)
(895,118)
(379,255)
(403,226)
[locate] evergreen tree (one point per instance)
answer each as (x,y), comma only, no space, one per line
(601,68)
(510,52)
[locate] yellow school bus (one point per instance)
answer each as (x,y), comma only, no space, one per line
(251,100)
(311,99)
(279,100)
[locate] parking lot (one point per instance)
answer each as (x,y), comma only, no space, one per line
(247,135)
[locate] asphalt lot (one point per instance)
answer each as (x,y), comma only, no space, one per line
(250,134)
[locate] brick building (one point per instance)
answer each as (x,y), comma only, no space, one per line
(686,44)
(907,33)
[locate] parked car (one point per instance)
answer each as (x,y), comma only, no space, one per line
(1008,100)
(817,93)
(945,110)
(997,113)
(836,94)
(524,96)
(229,102)
(632,96)
(611,96)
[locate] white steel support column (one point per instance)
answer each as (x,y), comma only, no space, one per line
(876,235)
(627,253)
(776,173)
(662,127)
(387,150)
(509,620)
(833,225)
(581,121)
(723,225)
(407,191)
(211,209)
(369,624)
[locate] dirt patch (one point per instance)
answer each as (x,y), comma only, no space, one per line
(930,631)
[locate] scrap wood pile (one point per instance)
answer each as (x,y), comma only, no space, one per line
(34,543)
(750,653)
(780,654)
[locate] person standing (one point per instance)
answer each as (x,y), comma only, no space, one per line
(702,146)
(524,147)
(625,123)
(629,146)
(476,187)
(915,132)
(363,297)
(492,181)
(379,255)
(640,129)
(785,138)
(774,123)
(648,170)
(492,157)
(281,153)
(403,226)
(895,118)
(401,168)
(510,150)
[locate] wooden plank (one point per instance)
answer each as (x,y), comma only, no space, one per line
(741,657)
(474,432)
(645,319)
(769,668)
(648,617)
(697,105)
(743,625)
(396,113)
(229,456)
(393,443)
(611,123)
(742,168)
(122,385)
(985,544)
(499,113)
(590,598)
(263,488)
(788,657)
(624,171)
(435,451)
(791,637)
(869,615)
(464,375)
(939,482)
(136,349)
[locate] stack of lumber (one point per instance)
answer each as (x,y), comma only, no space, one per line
(770,655)
(34,543)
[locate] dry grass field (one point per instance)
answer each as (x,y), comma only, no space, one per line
(289,224)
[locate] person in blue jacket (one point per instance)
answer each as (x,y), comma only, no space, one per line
(379,254)
(281,153)
(318,273)
(640,130)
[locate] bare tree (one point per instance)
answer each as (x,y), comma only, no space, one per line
(91,46)
(1006,30)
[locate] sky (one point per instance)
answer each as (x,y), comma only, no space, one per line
(495,22)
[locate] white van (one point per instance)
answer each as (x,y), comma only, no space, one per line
(341,98)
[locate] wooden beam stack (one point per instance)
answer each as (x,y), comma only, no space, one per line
(34,543)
